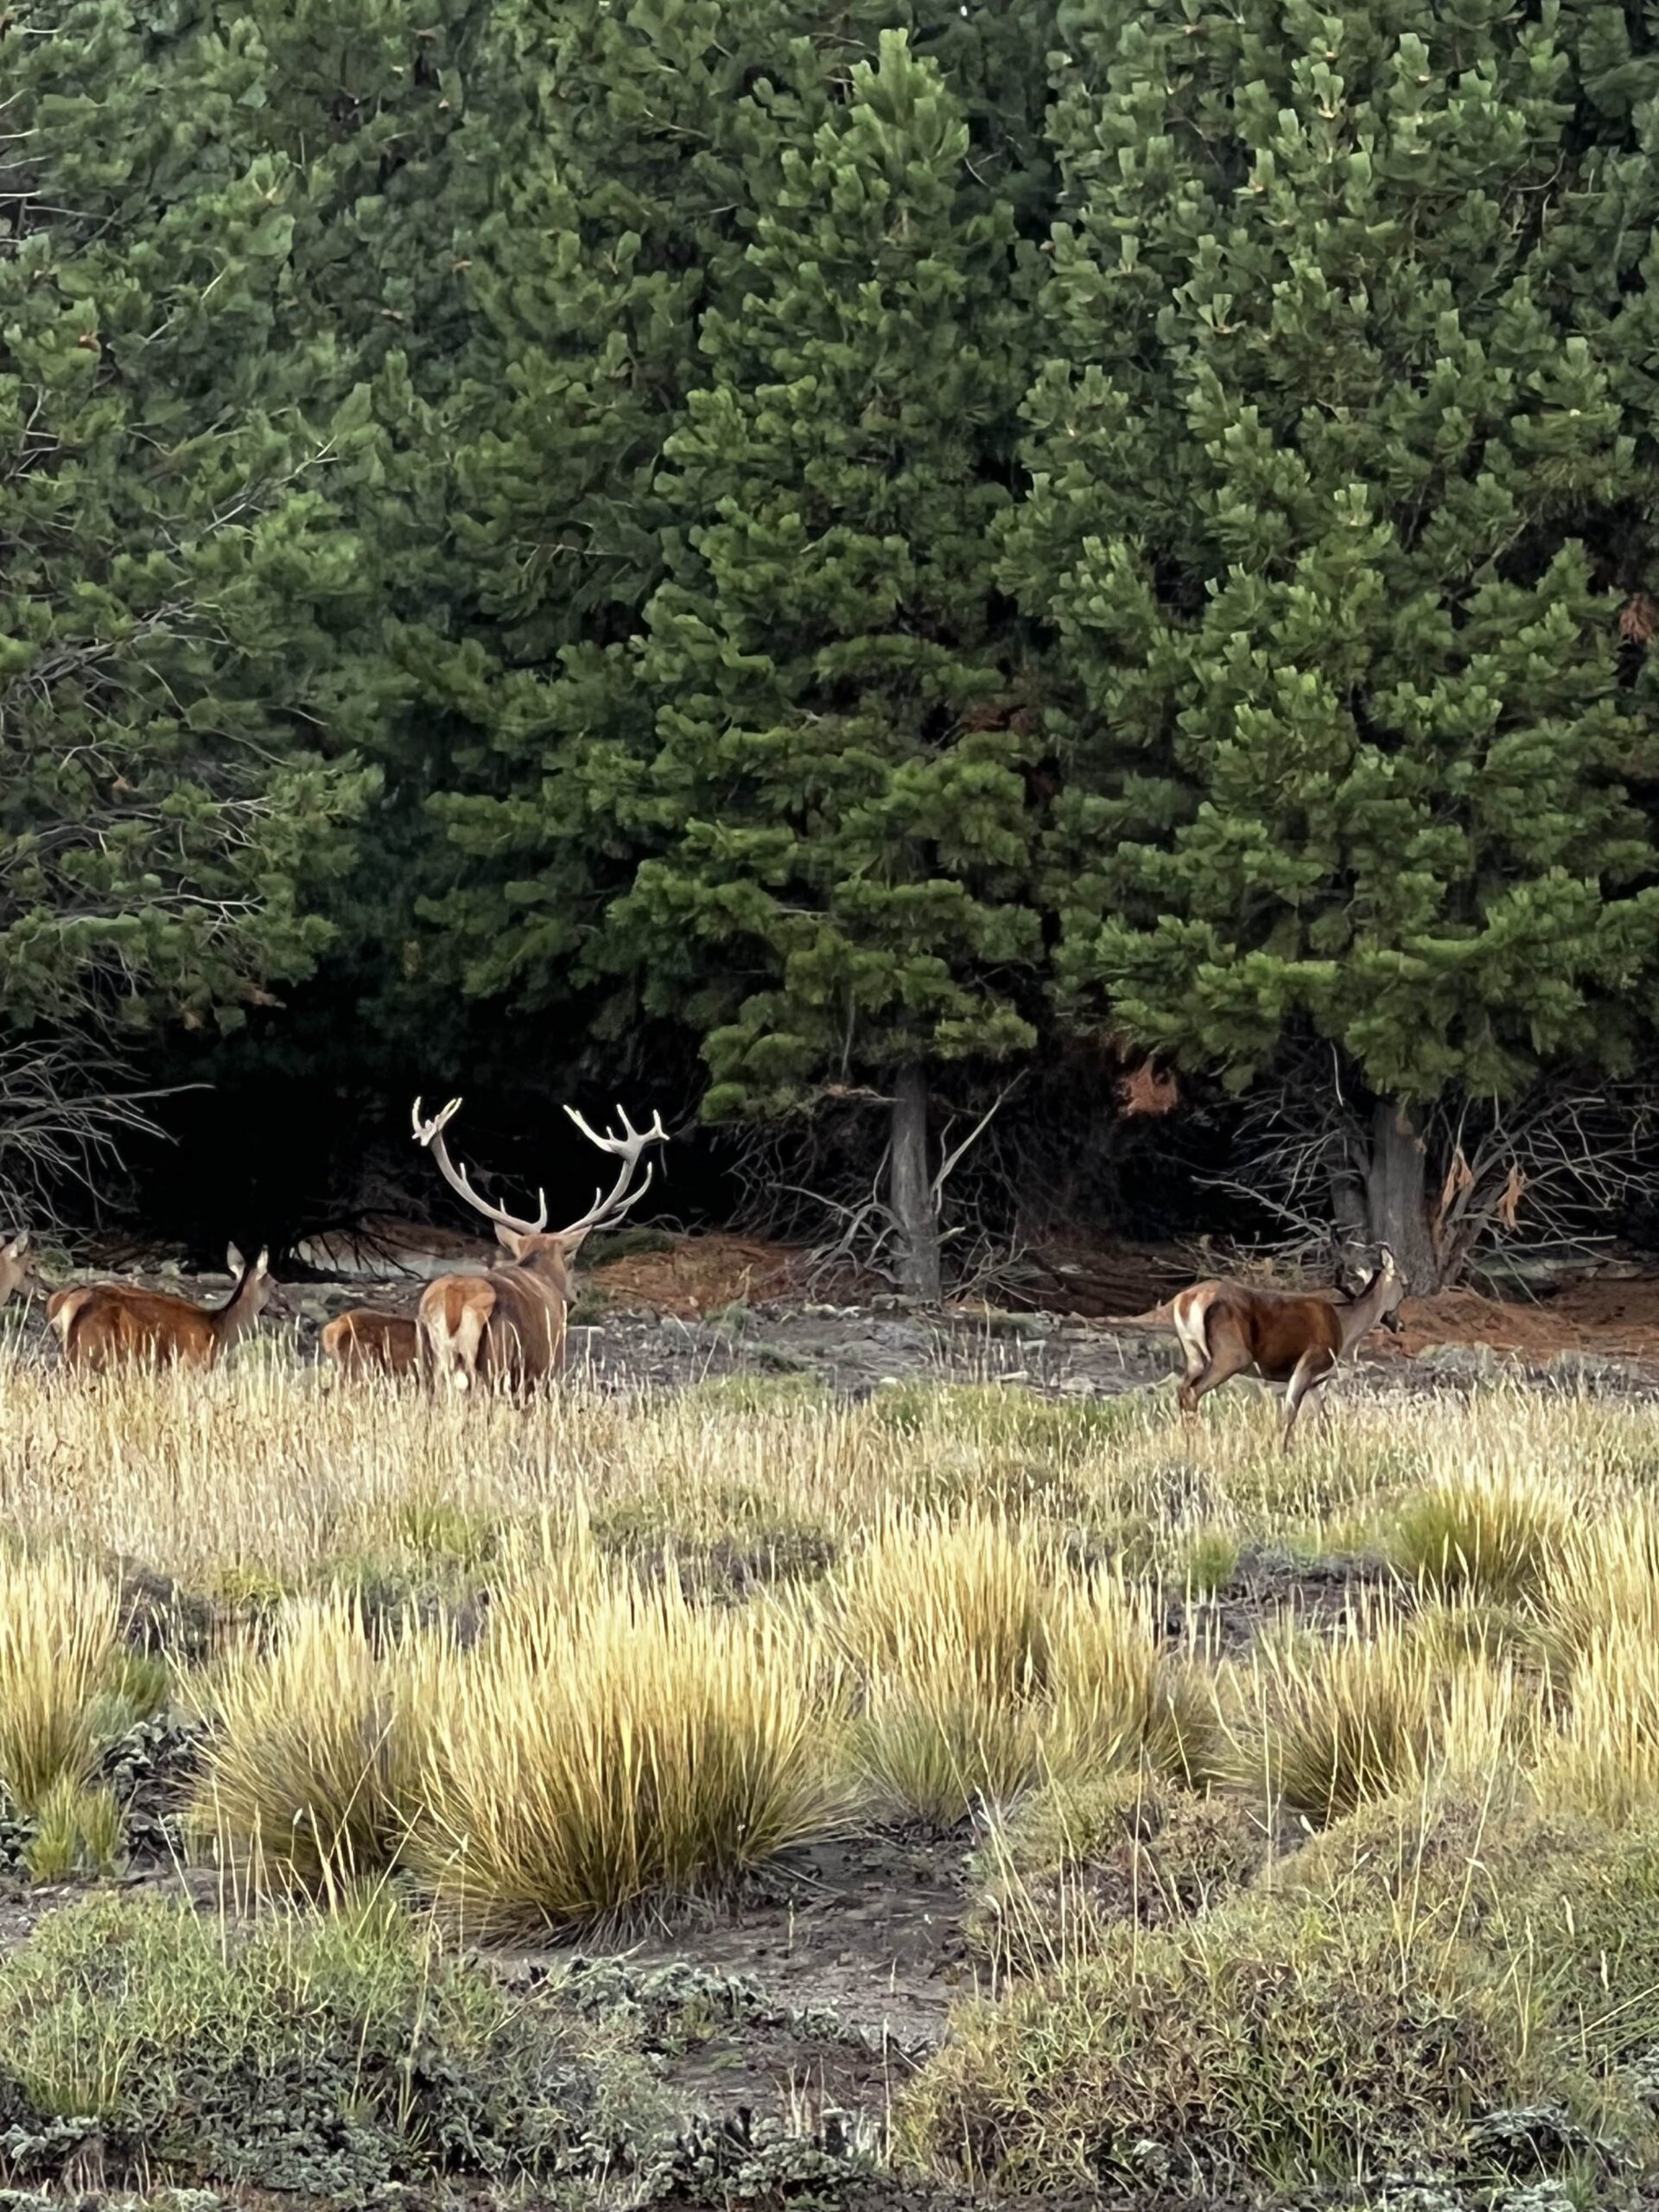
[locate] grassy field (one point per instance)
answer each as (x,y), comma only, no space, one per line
(1302,1814)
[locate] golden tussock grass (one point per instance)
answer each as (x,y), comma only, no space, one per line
(631,1746)
(58,1623)
(302,1472)
(313,1763)
(977,1635)
(984,1661)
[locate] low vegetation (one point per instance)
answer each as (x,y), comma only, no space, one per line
(1308,1809)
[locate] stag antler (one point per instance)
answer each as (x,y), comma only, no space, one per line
(627,1148)
(430,1134)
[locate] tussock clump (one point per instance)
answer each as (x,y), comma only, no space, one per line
(1609,1577)
(1116,1697)
(1606,1760)
(76,1835)
(983,1662)
(945,1626)
(609,1743)
(311,1766)
(1489,1534)
(59,1624)
(1331,1723)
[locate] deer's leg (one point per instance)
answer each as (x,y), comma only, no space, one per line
(1191,1334)
(1228,1355)
(465,1345)
(1312,1369)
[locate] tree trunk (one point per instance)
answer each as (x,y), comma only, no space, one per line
(911,1190)
(1396,1197)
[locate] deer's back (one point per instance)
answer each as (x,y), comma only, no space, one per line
(114,1322)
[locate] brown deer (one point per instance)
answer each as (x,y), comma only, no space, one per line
(509,1326)
(1224,1328)
(102,1323)
(362,1341)
(17,1268)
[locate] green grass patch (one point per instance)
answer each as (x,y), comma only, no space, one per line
(337,2057)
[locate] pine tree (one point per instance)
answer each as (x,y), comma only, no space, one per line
(1344,469)
(624,146)
(175,583)
(835,785)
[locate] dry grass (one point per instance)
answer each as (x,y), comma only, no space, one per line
(301,1475)
(58,1622)
(984,1661)
(1495,1533)
(628,1746)
(313,1764)
(997,1607)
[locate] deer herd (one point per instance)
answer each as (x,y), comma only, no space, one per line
(506,1326)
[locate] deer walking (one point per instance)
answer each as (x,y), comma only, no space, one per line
(509,1326)
(102,1325)
(362,1341)
(1224,1328)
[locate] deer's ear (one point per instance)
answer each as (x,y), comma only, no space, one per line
(262,1265)
(234,1261)
(18,1244)
(510,1241)
(572,1244)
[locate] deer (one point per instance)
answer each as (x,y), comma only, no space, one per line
(363,1341)
(104,1324)
(1225,1327)
(509,1326)
(17,1267)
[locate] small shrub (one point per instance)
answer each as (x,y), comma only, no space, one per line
(1492,1535)
(58,1621)
(331,2057)
(606,1743)
(1256,2048)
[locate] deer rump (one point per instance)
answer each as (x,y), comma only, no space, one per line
(507,1326)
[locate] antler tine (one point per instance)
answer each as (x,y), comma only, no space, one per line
(430,1134)
(627,1148)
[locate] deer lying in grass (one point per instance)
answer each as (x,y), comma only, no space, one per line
(362,1341)
(101,1324)
(509,1326)
(17,1270)
(1224,1328)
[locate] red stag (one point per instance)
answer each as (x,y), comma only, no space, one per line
(1225,1328)
(509,1326)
